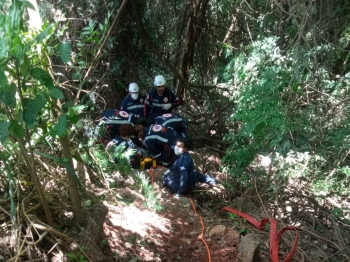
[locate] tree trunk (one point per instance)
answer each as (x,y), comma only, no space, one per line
(194,29)
(147,41)
(73,188)
(72,183)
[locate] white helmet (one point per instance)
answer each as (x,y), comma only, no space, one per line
(159,80)
(133,87)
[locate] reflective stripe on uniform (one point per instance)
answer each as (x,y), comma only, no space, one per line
(134,107)
(122,144)
(172,120)
(118,121)
(158,155)
(165,140)
(159,105)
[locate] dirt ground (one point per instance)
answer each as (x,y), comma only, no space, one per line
(143,225)
(179,232)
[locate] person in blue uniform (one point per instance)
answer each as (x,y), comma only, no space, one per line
(112,119)
(134,102)
(181,177)
(160,142)
(125,140)
(160,100)
(175,121)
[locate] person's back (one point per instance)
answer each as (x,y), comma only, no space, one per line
(160,142)
(112,119)
(175,121)
(134,102)
(160,99)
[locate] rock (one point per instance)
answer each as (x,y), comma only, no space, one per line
(249,248)
(185,240)
(231,234)
(218,230)
(197,161)
(183,202)
(211,160)
(222,232)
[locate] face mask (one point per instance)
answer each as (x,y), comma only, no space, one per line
(177,150)
(134,96)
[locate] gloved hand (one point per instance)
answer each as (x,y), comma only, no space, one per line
(166,106)
(131,144)
(142,152)
(177,196)
(109,145)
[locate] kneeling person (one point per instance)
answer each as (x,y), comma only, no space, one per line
(182,177)
(125,140)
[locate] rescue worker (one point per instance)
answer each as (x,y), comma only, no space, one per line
(160,100)
(134,102)
(112,120)
(126,140)
(160,142)
(175,121)
(181,177)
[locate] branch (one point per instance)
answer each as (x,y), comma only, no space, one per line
(147,41)
(95,61)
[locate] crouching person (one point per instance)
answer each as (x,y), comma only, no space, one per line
(125,141)
(181,177)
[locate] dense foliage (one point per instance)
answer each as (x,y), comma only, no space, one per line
(257,79)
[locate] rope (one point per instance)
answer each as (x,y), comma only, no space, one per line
(201,236)
(274,238)
(153,176)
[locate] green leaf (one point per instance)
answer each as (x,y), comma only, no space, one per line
(16,129)
(27,4)
(25,65)
(3,78)
(55,93)
(32,107)
(72,116)
(61,127)
(40,37)
(4,126)
(286,146)
(4,48)
(43,77)
(65,51)
(78,158)
(63,163)
(17,48)
(8,95)
(20,116)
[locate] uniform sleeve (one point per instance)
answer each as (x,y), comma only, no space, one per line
(120,143)
(153,152)
(183,129)
(123,104)
(176,102)
(147,105)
